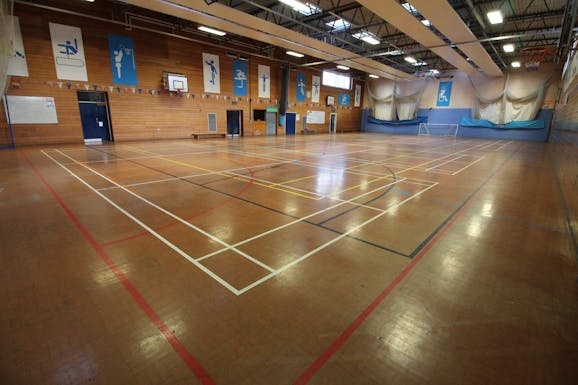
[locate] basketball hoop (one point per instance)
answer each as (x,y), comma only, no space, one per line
(534,56)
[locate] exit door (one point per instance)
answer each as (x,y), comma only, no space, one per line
(234,122)
(290,122)
(94,116)
(332,123)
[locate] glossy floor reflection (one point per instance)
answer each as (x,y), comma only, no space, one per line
(347,259)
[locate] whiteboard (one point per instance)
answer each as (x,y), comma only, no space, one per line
(31,110)
(315,117)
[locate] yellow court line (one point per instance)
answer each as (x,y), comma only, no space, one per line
(225,174)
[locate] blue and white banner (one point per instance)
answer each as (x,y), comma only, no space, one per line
(444,94)
(211,73)
(301,86)
(68,51)
(344,99)
(239,78)
(17,65)
(264,73)
(122,60)
(315,88)
(357,98)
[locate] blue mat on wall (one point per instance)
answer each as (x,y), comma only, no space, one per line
(516,125)
(411,122)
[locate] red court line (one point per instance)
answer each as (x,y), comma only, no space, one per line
(177,346)
(348,332)
(197,214)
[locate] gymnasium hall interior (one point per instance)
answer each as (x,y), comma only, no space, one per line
(288,192)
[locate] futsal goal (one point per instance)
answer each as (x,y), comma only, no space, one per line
(438,129)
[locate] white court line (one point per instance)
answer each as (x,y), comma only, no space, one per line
(170,214)
(329,243)
(253,168)
(151,231)
(499,148)
(446,162)
(469,165)
(300,220)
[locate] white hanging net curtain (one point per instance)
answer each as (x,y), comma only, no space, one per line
(506,106)
(394,105)
(6,37)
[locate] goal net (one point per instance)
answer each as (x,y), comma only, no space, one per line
(438,129)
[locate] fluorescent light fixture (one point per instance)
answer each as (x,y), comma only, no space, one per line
(516,64)
(408,7)
(419,64)
(495,17)
(296,54)
(410,59)
(434,72)
(338,25)
(395,52)
(306,9)
(426,22)
(341,67)
(211,30)
(373,76)
(367,37)
(508,48)
(469,59)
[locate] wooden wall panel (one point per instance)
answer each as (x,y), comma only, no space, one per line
(136,114)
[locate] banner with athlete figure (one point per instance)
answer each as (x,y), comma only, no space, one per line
(264,81)
(239,77)
(122,60)
(211,73)
(315,88)
(68,51)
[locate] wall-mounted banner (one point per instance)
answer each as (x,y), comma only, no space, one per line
(17,65)
(239,77)
(264,81)
(122,60)
(315,88)
(444,94)
(68,52)
(344,99)
(301,86)
(211,73)
(357,98)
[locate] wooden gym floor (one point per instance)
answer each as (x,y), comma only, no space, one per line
(331,260)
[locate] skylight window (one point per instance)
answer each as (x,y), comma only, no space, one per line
(338,25)
(306,9)
(367,37)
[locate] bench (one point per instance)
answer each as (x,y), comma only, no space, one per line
(208,135)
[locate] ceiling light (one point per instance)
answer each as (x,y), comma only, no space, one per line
(508,48)
(426,22)
(495,17)
(338,25)
(89,1)
(296,54)
(409,59)
(345,68)
(304,9)
(367,37)
(419,63)
(395,52)
(211,30)
(408,7)
(516,64)
(373,76)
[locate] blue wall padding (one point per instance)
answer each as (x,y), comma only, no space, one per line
(516,125)
(455,115)
(411,122)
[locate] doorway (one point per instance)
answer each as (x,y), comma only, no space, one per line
(333,123)
(271,123)
(95,117)
(290,122)
(235,122)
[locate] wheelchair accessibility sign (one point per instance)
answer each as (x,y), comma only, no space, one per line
(444,94)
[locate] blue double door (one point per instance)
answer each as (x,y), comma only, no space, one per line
(95,120)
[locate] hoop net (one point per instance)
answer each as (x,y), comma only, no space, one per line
(438,129)
(534,56)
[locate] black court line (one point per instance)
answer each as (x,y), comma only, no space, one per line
(256,204)
(565,205)
(454,213)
